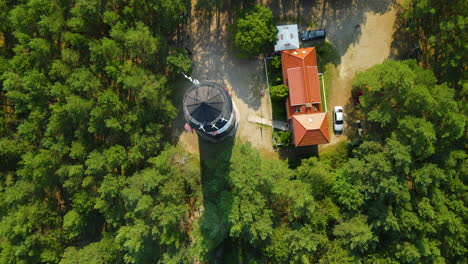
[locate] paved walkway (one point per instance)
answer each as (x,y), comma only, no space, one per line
(281,125)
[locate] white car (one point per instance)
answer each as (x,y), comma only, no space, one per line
(338,119)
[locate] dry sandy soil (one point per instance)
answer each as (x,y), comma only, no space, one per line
(214,59)
(358,49)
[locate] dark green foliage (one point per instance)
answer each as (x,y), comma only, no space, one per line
(282,138)
(279,92)
(254,31)
(275,71)
(103,251)
(180,62)
(85,104)
(279,110)
(88,174)
(402,180)
(326,54)
(404,99)
(440,29)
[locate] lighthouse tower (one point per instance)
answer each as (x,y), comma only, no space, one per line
(209,110)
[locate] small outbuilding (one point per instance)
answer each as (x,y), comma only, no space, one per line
(288,38)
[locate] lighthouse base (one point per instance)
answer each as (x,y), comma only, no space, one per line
(231,133)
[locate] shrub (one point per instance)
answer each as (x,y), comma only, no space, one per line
(274,72)
(282,138)
(254,31)
(279,92)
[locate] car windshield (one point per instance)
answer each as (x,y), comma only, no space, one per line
(339,122)
(316,33)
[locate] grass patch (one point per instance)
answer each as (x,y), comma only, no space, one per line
(278,107)
(321,92)
(329,74)
(279,110)
(326,54)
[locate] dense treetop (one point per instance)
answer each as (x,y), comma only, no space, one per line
(85,94)
(254,31)
(440,28)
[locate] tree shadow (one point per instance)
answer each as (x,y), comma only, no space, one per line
(295,155)
(352,115)
(179,87)
(326,53)
(403,39)
(246,77)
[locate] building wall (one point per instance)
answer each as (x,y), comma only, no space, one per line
(292,110)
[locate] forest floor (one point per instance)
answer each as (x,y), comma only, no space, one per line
(358,48)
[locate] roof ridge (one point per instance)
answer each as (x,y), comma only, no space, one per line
(299,121)
(306,85)
(304,128)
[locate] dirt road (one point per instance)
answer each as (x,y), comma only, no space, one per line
(372,47)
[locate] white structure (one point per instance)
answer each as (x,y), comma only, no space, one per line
(288,38)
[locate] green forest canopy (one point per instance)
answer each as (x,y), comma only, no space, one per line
(88,173)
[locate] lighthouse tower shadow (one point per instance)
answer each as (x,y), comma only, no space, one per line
(215,165)
(209,110)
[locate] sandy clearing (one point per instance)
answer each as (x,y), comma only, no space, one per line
(213,59)
(372,47)
(359,49)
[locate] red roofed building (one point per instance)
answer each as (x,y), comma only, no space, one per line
(304,104)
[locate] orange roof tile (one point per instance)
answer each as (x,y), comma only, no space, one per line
(300,74)
(310,129)
(313,84)
(296,84)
